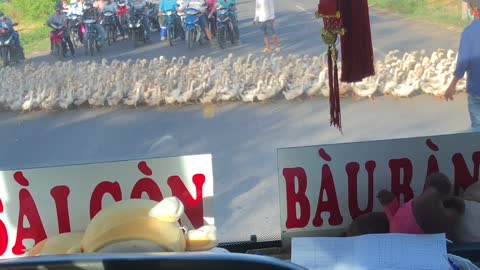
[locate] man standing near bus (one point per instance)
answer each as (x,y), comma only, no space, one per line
(468,60)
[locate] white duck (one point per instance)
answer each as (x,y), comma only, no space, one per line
(366,88)
(320,84)
(409,87)
(29,104)
(248,95)
(134,97)
(65,99)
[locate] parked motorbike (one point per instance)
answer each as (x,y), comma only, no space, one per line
(92,37)
(193,31)
(7,46)
(170,16)
(57,38)
(123,14)
(152,15)
(226,28)
(110,27)
(136,28)
(77,29)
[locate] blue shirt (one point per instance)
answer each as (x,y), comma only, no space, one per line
(225,3)
(468,59)
(168,5)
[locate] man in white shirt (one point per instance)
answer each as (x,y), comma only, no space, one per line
(265,16)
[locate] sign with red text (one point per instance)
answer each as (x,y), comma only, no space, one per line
(37,203)
(323,188)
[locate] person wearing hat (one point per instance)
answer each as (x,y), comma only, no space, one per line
(6,21)
(59,18)
(468,61)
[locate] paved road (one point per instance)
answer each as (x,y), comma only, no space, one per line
(243,138)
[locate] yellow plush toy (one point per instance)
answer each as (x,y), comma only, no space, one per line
(140,225)
(58,244)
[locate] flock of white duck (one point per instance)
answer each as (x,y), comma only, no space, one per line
(65,85)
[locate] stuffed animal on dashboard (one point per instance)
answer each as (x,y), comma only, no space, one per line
(135,225)
(467,229)
(433,211)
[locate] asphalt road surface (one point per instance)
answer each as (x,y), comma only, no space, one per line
(243,138)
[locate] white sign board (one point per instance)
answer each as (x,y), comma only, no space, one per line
(37,203)
(323,188)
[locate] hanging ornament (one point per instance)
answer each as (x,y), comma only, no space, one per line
(330,12)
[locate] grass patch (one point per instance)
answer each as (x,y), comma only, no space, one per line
(31,15)
(35,40)
(447,13)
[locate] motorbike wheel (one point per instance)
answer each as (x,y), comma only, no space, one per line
(236,34)
(152,26)
(5,56)
(135,37)
(190,38)
(74,37)
(221,37)
(108,29)
(171,34)
(91,46)
(231,35)
(58,50)
(200,35)
(114,34)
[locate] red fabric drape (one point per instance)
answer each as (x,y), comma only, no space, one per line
(356,44)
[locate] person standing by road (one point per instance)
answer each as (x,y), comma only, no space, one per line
(265,16)
(468,60)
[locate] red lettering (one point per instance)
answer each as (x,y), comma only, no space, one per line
(112,188)
(432,165)
(432,161)
(463,178)
(292,176)
(143,167)
(3,233)
(324,155)
(352,169)
(327,187)
(193,207)
(28,210)
(148,186)
(398,188)
(60,196)
(20,179)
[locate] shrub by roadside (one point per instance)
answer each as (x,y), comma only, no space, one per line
(445,12)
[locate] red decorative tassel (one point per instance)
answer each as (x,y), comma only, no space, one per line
(337,120)
(350,20)
(330,11)
(334,96)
